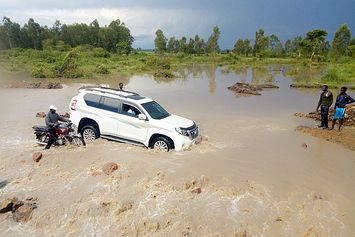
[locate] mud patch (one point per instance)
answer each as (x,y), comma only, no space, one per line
(345,137)
(249,89)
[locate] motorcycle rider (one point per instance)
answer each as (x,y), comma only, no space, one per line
(52,119)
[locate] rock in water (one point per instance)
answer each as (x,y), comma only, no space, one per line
(196,190)
(250,89)
(23,213)
(37,156)
(109,168)
(41,114)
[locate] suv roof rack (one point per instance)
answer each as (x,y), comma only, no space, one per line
(97,88)
(114,89)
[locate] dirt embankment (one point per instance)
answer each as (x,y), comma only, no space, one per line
(345,137)
(316,86)
(36,85)
(249,89)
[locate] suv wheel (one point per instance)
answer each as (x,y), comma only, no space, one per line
(89,132)
(161,144)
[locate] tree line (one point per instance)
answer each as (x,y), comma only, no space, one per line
(115,37)
(196,45)
(313,46)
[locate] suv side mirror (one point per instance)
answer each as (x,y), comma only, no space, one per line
(142,117)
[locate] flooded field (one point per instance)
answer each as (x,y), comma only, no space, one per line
(256,175)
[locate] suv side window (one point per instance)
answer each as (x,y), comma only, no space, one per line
(110,104)
(92,100)
(130,110)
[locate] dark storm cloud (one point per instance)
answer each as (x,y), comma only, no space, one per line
(236,18)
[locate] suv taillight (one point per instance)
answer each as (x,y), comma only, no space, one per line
(73,104)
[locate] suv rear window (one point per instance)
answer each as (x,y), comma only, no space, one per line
(110,104)
(92,100)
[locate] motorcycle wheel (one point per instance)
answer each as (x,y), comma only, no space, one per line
(43,138)
(78,141)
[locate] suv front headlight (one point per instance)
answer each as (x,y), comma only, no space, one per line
(182,131)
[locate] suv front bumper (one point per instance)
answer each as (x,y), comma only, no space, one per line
(184,143)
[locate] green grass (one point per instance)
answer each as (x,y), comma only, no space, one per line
(97,63)
(332,74)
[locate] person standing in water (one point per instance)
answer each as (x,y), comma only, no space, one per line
(325,101)
(340,105)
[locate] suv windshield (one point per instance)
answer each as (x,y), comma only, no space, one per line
(155,110)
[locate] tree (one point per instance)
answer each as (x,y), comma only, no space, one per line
(123,47)
(160,41)
(190,48)
(113,35)
(261,42)
(315,43)
(12,34)
(242,47)
(288,47)
(341,40)
(56,32)
(171,45)
(296,45)
(247,47)
(239,47)
(212,43)
(182,44)
(275,46)
(94,34)
(34,34)
(199,46)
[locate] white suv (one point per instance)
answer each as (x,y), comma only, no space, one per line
(129,117)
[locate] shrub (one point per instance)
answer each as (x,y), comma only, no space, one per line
(100,53)
(38,72)
(163,74)
(102,69)
(331,75)
(69,66)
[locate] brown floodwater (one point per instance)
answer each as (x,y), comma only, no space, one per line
(255,175)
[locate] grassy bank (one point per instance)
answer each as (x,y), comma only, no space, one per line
(89,62)
(334,74)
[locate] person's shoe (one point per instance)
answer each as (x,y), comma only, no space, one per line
(46,148)
(320,126)
(325,127)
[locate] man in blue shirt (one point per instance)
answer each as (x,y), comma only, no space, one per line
(340,105)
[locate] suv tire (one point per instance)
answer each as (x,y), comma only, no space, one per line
(89,132)
(161,144)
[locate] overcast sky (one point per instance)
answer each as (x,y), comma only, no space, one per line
(236,18)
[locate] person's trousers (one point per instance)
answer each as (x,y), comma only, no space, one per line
(324,114)
(51,139)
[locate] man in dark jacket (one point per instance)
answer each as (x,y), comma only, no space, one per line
(340,105)
(325,101)
(52,119)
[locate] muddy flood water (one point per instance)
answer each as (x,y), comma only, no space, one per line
(256,177)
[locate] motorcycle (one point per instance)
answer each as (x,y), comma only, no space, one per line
(64,133)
